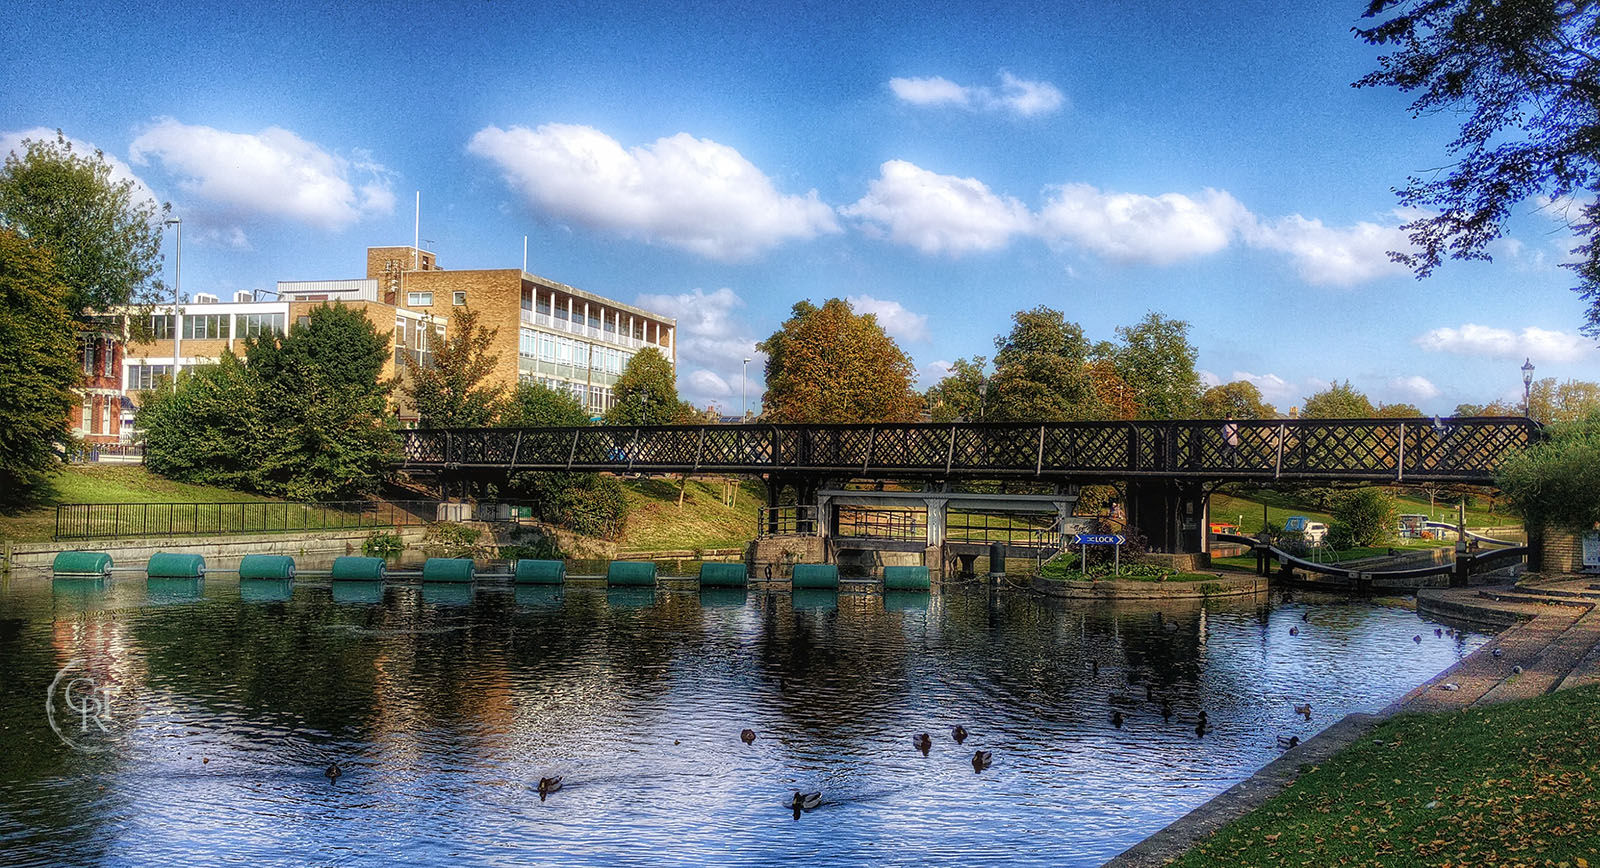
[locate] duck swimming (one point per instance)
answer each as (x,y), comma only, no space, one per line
(923,742)
(548,786)
(1116,719)
(1303,710)
(333,772)
(804,802)
(959,733)
(748,736)
(982,760)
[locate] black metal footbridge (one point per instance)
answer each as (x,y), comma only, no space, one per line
(1421,450)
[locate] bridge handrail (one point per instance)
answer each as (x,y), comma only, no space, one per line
(1476,563)
(1383,450)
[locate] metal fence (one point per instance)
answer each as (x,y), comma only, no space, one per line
(82,521)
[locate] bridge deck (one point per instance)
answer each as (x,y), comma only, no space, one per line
(1459,450)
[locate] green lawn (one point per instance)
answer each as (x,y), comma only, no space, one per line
(657,523)
(1512,784)
(107,483)
(1280,505)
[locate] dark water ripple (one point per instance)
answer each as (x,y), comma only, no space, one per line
(444,708)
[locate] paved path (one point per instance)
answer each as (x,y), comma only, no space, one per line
(1551,641)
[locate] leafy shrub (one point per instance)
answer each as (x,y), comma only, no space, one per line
(585,503)
(1557,482)
(1340,536)
(452,540)
(1368,515)
(382,544)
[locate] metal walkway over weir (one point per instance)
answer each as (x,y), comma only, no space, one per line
(1455,450)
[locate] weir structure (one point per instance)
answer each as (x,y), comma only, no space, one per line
(1167,468)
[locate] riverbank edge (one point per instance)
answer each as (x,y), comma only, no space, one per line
(1231,586)
(225,547)
(1178,837)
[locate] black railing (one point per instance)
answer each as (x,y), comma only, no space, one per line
(1466,450)
(82,521)
(900,523)
(985,527)
(786,520)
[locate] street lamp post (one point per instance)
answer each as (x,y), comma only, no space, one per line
(1527,387)
(983,398)
(177,289)
(744,390)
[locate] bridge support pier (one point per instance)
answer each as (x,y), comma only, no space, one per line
(1172,514)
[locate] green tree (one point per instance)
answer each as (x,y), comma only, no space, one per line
(1524,77)
(104,241)
(1042,371)
(959,393)
(1493,408)
(207,429)
(1396,411)
(1157,361)
(1556,483)
(647,392)
(1239,399)
(451,392)
(325,430)
(38,367)
(1338,401)
(830,364)
(535,405)
(303,415)
(1363,517)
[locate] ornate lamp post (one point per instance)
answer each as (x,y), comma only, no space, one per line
(744,391)
(1527,387)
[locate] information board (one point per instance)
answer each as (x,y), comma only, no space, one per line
(1591,549)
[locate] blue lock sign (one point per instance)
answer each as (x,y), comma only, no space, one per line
(1100,539)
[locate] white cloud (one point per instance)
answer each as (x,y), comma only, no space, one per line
(1414,388)
(12,143)
(1332,255)
(1273,388)
(1545,345)
(1018,96)
(1131,227)
(713,343)
(932,373)
(1208,379)
(694,194)
(703,383)
(937,213)
(901,324)
(273,172)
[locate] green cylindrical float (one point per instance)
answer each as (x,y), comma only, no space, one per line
(532,572)
(171,565)
(631,574)
(905,579)
(448,570)
(266,567)
(81,565)
(816,576)
(359,569)
(718,575)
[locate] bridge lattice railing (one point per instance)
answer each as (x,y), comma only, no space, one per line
(1465,450)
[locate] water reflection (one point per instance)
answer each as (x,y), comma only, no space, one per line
(173,591)
(444,714)
(266,590)
(447,593)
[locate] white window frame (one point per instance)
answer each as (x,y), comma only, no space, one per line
(458,297)
(416,299)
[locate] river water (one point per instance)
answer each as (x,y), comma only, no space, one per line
(202,718)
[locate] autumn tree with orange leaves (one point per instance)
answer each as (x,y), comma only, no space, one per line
(831,364)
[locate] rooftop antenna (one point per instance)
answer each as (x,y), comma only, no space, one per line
(416,237)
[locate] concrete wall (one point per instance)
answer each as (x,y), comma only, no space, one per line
(133,552)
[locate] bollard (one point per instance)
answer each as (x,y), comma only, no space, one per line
(997,560)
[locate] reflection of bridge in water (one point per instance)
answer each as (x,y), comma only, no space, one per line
(1167,467)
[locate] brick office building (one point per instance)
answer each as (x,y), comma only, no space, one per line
(546,331)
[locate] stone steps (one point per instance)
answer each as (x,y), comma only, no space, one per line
(1550,666)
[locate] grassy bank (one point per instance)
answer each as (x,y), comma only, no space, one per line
(657,523)
(108,483)
(1513,784)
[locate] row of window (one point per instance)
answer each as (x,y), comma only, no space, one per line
(595,399)
(425,299)
(146,376)
(569,351)
(106,368)
(214,326)
(597,318)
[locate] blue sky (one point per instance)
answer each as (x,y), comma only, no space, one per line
(942,165)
